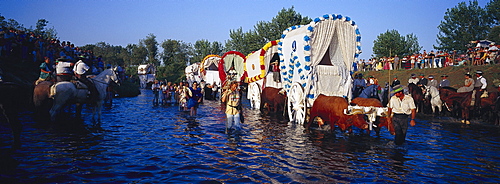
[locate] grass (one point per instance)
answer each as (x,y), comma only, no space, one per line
(455,74)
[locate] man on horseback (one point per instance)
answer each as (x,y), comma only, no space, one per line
(413,79)
(445,82)
(45,71)
(81,71)
(479,88)
(64,69)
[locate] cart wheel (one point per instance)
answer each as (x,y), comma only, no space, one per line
(254,91)
(296,104)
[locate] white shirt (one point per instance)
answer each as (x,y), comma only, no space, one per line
(483,82)
(401,106)
(81,68)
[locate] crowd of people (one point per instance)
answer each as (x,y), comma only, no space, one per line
(25,46)
(432,59)
(189,97)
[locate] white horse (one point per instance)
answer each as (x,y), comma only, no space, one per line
(66,92)
(433,92)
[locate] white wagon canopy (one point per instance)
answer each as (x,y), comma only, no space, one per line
(209,69)
(258,66)
(317,59)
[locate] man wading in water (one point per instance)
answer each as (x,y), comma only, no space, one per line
(232,98)
(403,107)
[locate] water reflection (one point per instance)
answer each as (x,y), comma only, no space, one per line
(146,144)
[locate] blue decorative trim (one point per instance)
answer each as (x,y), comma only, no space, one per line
(307,38)
(307,48)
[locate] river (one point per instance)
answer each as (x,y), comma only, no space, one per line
(142,143)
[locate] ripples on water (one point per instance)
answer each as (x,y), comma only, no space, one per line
(146,144)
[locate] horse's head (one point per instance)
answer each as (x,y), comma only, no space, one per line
(111,74)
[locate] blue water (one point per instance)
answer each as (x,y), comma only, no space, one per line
(142,143)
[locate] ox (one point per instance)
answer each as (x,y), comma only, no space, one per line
(273,99)
(331,109)
(381,121)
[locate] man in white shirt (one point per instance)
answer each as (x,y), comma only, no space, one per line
(400,108)
(81,69)
(413,79)
(479,88)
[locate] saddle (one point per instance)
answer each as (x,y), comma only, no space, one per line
(79,84)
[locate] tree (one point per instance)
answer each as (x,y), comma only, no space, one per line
(246,42)
(493,10)
(494,34)
(137,54)
(203,48)
(462,24)
(152,49)
(286,18)
(175,57)
(392,43)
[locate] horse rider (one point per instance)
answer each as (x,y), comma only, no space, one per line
(479,88)
(359,84)
(413,79)
(395,81)
(432,82)
(400,108)
(444,82)
(81,70)
(45,71)
(64,69)
(422,81)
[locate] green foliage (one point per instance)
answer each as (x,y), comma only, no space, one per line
(247,42)
(152,49)
(203,48)
(392,43)
(114,55)
(462,24)
(176,55)
(494,34)
(137,54)
(493,10)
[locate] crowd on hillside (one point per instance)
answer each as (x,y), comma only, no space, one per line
(432,59)
(21,46)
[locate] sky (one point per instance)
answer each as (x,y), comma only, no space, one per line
(123,22)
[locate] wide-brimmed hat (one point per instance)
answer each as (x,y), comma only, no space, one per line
(479,72)
(413,75)
(62,59)
(431,77)
(444,75)
(396,89)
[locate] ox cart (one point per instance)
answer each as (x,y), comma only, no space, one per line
(259,68)
(231,68)
(316,59)
(147,74)
(209,69)
(193,73)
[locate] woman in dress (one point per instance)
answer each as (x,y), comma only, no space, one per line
(195,98)
(468,84)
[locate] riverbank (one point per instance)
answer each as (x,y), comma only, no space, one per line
(455,74)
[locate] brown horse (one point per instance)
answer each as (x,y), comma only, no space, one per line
(461,102)
(417,95)
(41,99)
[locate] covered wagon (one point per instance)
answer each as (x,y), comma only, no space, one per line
(259,68)
(209,69)
(193,73)
(231,67)
(147,74)
(317,59)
